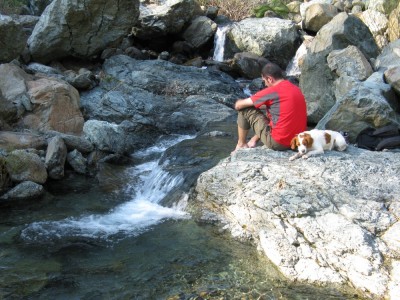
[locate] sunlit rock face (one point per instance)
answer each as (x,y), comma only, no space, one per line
(81,29)
(331,218)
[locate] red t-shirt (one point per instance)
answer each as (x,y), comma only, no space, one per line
(286,110)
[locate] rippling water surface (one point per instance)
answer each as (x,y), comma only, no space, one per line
(111,238)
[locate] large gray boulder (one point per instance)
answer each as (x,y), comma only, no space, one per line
(38,68)
(170,17)
(304,5)
(111,137)
(72,141)
(316,79)
(377,23)
(21,140)
(351,67)
(383,6)
(157,96)
(24,190)
(195,113)
(55,106)
(200,31)
(389,63)
(351,62)
(394,24)
(389,57)
(329,219)
(392,76)
(248,65)
(39,102)
(81,80)
(273,38)
(77,161)
(81,29)
(364,105)
(12,37)
(8,112)
(317,15)
(14,97)
(56,155)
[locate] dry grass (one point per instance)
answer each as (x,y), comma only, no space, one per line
(234,9)
(237,10)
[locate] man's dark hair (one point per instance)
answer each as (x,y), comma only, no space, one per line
(273,70)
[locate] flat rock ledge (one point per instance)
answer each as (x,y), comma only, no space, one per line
(330,219)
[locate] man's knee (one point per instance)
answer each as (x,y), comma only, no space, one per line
(242,121)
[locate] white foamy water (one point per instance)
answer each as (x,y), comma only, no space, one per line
(245,84)
(163,144)
(293,68)
(152,184)
(219,43)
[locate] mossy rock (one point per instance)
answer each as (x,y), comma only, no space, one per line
(23,165)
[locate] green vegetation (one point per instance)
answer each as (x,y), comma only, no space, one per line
(238,10)
(235,10)
(276,6)
(9,7)
(391,5)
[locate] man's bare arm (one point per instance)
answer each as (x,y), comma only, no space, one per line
(243,103)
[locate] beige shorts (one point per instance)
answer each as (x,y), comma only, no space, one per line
(255,119)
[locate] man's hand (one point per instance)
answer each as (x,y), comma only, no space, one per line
(243,103)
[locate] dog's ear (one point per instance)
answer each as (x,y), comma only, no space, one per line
(293,143)
(308,140)
(328,138)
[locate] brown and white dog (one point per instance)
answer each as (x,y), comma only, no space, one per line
(316,141)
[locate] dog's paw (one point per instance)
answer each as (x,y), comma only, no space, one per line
(295,156)
(305,156)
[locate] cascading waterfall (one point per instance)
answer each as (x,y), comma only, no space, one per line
(293,68)
(134,217)
(219,43)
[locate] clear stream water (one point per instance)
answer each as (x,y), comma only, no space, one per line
(112,238)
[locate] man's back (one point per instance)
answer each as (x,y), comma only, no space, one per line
(286,110)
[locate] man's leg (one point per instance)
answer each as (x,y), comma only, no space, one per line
(243,129)
(242,137)
(253,141)
(246,119)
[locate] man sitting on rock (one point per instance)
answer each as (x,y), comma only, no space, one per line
(286,113)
